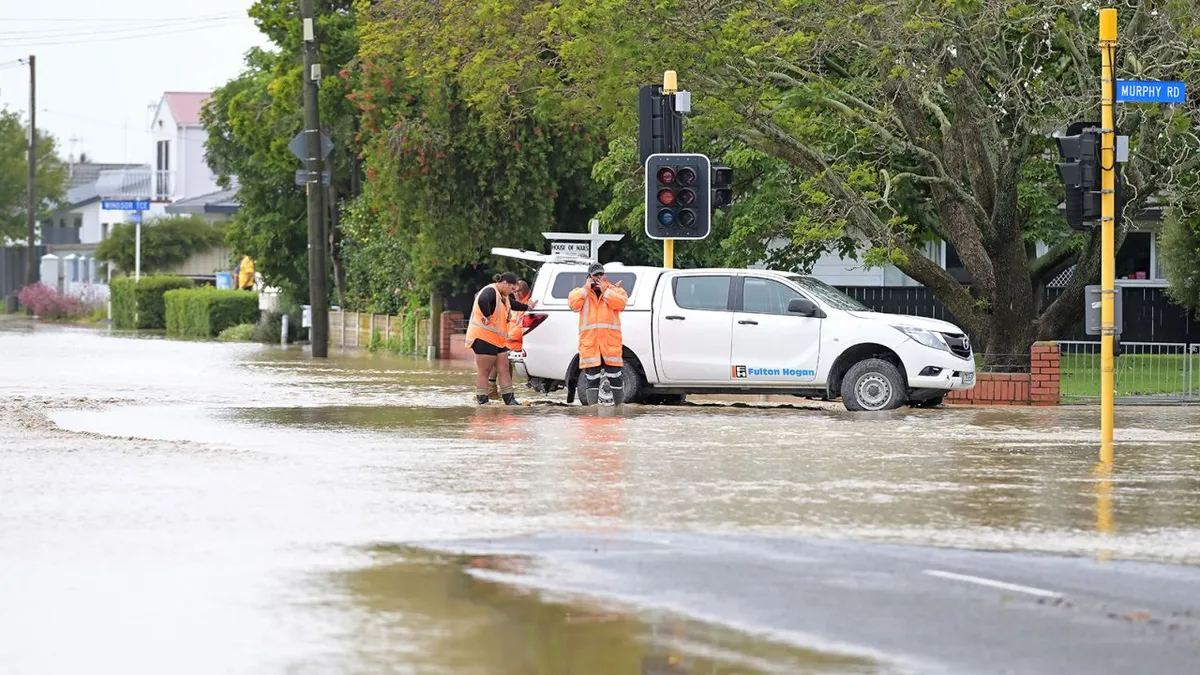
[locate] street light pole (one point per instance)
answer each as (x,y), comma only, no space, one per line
(317,286)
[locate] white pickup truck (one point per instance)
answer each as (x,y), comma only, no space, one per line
(743,331)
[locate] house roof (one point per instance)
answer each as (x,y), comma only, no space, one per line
(82,174)
(185,105)
(222,201)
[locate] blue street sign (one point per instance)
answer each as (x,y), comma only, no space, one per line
(1138,91)
(137,216)
(125,204)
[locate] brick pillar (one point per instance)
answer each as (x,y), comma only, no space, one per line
(1045,371)
(447,332)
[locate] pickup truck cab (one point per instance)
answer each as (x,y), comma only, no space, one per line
(742,331)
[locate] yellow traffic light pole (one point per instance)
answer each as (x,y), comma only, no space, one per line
(1108,166)
(670,86)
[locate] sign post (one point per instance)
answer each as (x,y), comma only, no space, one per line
(137,206)
(581,244)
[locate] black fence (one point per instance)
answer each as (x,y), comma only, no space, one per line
(13,261)
(1148,315)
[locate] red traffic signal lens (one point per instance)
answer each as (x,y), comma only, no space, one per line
(686,197)
(666,197)
(687,175)
(666,175)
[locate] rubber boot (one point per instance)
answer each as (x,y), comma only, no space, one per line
(591,396)
(510,399)
(618,394)
(481,399)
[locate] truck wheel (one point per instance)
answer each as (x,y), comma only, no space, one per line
(631,380)
(871,385)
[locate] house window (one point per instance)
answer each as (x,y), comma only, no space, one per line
(162,176)
(954,265)
(1134,260)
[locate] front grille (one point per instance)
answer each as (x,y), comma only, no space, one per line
(960,345)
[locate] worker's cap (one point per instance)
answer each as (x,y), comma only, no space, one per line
(595,268)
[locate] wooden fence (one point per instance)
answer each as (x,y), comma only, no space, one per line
(358,329)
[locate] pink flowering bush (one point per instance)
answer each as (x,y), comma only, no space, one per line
(47,303)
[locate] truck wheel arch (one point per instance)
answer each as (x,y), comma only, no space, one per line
(851,356)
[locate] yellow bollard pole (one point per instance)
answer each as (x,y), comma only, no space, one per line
(668,253)
(1108,45)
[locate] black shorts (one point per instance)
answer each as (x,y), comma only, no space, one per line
(485,348)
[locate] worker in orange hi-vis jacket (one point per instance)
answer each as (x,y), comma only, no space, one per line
(599,304)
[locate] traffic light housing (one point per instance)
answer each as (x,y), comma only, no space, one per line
(722,188)
(678,196)
(1080,150)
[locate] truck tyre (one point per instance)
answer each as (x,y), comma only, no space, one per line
(872,385)
(634,386)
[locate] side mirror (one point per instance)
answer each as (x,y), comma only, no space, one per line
(804,307)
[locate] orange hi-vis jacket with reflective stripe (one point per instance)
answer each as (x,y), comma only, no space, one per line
(491,329)
(516,332)
(599,325)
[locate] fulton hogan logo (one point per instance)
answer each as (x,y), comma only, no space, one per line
(742,372)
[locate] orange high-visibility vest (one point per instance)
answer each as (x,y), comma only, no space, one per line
(599,325)
(491,329)
(516,332)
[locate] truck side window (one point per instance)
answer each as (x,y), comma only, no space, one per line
(766,296)
(565,282)
(709,293)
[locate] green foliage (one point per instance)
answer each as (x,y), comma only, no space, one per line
(51,179)
(403,343)
(124,305)
(206,311)
(1179,252)
(243,332)
(167,241)
(143,298)
(250,121)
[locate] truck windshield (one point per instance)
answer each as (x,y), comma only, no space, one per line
(828,294)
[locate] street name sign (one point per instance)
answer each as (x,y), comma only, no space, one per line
(125,204)
(1141,91)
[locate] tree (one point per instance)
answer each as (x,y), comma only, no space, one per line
(167,241)
(250,121)
(1179,247)
(51,179)
(450,179)
(882,123)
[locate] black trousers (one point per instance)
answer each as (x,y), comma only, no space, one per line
(592,376)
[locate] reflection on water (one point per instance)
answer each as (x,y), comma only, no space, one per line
(425,613)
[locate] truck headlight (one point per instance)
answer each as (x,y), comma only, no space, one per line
(926,337)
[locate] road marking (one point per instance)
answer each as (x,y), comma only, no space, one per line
(1040,592)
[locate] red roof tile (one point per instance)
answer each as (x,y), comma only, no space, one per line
(185,105)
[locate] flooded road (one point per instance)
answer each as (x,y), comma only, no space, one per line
(198,507)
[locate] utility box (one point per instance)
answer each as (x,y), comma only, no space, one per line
(1091,310)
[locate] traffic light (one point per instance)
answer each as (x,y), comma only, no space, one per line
(722,188)
(1080,175)
(678,196)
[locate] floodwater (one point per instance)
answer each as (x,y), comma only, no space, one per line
(170,506)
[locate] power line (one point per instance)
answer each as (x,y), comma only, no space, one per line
(27,35)
(118,38)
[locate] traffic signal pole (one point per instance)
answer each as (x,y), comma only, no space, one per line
(1108,165)
(670,86)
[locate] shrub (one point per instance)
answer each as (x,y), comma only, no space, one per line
(206,311)
(166,242)
(243,332)
(144,299)
(48,303)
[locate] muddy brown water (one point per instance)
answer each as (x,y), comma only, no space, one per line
(200,507)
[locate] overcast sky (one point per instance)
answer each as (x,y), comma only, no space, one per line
(102,64)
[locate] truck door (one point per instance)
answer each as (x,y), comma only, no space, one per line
(693,328)
(771,346)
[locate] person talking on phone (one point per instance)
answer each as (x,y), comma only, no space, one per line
(599,304)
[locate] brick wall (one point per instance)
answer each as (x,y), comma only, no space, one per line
(1037,387)
(453,347)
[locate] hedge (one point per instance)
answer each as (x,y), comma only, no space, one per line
(205,312)
(143,298)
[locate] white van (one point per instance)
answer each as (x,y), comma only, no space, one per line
(743,331)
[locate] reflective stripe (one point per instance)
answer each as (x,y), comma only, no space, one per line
(484,326)
(593,377)
(594,326)
(589,362)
